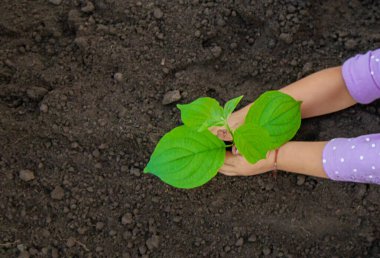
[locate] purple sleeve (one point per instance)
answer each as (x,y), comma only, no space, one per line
(353,159)
(357,159)
(361,74)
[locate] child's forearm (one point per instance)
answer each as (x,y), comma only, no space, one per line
(321,93)
(302,158)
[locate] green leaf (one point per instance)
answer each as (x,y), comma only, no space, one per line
(185,158)
(252,141)
(230,106)
(278,113)
(202,113)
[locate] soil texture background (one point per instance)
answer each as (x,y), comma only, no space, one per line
(88,87)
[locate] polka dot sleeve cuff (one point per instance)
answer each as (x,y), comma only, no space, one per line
(353,159)
(361,74)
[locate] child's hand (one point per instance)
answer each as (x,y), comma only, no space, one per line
(236,165)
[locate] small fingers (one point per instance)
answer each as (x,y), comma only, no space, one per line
(227,172)
(228,167)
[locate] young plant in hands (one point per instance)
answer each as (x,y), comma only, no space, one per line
(189,155)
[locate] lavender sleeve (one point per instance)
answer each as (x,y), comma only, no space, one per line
(361,74)
(357,159)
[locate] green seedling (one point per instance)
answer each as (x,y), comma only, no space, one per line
(190,155)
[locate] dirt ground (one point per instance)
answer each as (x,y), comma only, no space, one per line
(81,90)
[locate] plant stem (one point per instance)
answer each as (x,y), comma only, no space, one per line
(229,130)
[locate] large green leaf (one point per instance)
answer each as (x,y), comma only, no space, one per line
(202,114)
(185,158)
(252,141)
(278,113)
(230,106)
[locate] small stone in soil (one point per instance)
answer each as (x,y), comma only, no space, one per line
(126,219)
(350,44)
(82,43)
(96,153)
(88,8)
(291,9)
(216,51)
(99,225)
(252,238)
(153,242)
(33,251)
(308,67)
(286,37)
(266,251)
(171,97)
(135,171)
(300,180)
(118,77)
(74,18)
(44,108)
(70,242)
(44,251)
(233,45)
(239,242)
(142,249)
(26,175)
(58,193)
(157,13)
(82,230)
(177,219)
(36,93)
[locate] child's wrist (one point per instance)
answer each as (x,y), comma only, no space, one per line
(272,161)
(275,162)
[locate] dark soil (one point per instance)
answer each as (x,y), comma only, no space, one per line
(81,91)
